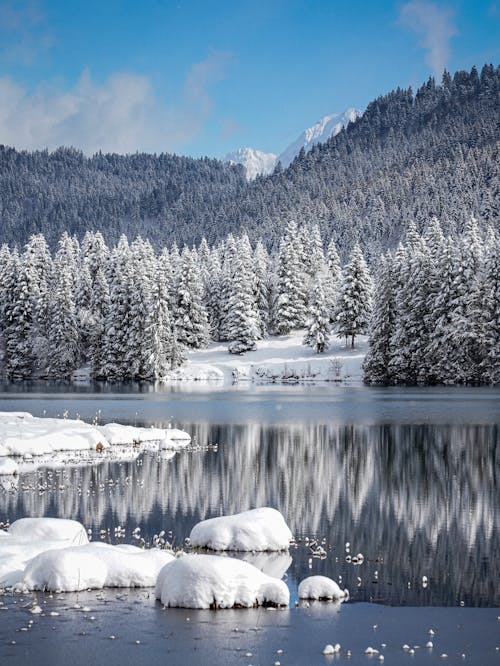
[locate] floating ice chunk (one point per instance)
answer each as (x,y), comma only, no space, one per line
(209,581)
(94,566)
(255,530)
(321,587)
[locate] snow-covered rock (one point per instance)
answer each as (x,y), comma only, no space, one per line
(321,587)
(209,581)
(94,566)
(255,161)
(22,434)
(254,530)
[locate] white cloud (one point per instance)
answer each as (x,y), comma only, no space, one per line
(436,26)
(123,114)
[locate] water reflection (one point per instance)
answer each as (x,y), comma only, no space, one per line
(415,500)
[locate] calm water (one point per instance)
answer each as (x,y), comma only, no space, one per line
(410,478)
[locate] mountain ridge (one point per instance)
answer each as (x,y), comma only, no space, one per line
(409,157)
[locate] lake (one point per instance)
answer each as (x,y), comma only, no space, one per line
(409,478)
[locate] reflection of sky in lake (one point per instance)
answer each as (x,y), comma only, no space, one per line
(414,499)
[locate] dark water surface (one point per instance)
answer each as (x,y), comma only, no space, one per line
(408,477)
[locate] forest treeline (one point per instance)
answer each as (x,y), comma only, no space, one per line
(409,157)
(431,308)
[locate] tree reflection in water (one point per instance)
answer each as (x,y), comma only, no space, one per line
(416,500)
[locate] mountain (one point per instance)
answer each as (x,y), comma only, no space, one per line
(254,161)
(257,163)
(412,155)
(319,133)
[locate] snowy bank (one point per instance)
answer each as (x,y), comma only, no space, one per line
(209,581)
(255,530)
(278,359)
(22,434)
(321,587)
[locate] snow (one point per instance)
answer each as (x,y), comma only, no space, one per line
(209,581)
(94,566)
(321,587)
(320,132)
(277,359)
(49,528)
(28,537)
(8,466)
(255,530)
(255,161)
(22,434)
(55,554)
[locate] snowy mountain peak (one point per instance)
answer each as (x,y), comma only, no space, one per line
(255,161)
(319,133)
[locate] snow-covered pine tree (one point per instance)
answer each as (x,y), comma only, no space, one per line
(213,288)
(117,318)
(290,305)
(334,277)
(466,317)
(190,315)
(229,251)
(262,287)
(490,313)
(353,307)
(410,335)
(242,316)
(64,338)
(382,325)
(318,324)
(439,353)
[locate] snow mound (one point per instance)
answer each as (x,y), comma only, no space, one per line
(94,566)
(28,537)
(8,466)
(321,587)
(49,529)
(209,581)
(255,530)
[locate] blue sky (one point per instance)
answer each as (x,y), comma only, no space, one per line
(205,77)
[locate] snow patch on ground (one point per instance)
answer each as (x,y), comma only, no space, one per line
(262,529)
(280,359)
(209,581)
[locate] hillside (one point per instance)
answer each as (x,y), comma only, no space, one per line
(409,157)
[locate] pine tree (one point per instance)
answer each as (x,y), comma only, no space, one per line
(382,326)
(353,308)
(242,317)
(490,313)
(290,305)
(318,324)
(64,342)
(190,315)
